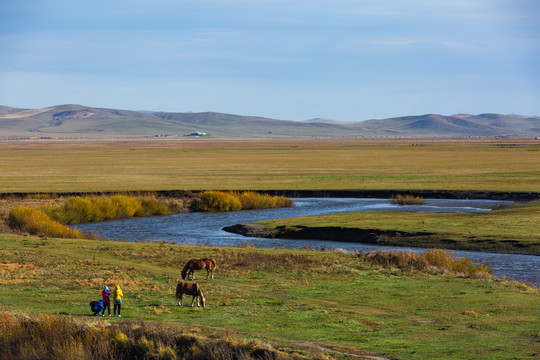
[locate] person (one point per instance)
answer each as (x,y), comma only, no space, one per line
(106,295)
(117,298)
(96,307)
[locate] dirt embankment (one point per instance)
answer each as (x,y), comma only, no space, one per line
(381,194)
(392,238)
(428,194)
(364,236)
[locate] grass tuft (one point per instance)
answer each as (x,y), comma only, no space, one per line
(432,260)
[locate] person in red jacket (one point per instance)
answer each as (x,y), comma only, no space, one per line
(106,295)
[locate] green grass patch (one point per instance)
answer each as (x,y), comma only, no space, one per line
(512,228)
(296,300)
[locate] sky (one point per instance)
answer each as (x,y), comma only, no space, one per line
(347,60)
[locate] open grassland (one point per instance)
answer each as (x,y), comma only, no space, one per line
(205,164)
(511,228)
(297,300)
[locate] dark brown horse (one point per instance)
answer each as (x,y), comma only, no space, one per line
(199,264)
(190,289)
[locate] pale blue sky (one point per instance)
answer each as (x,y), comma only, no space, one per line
(340,59)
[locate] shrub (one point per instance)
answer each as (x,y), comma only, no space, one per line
(212,201)
(151,207)
(36,222)
(407,200)
(78,209)
(252,200)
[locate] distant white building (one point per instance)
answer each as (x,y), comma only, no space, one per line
(196,133)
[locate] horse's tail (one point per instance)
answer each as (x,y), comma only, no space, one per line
(185,270)
(201,295)
(212,264)
(177,295)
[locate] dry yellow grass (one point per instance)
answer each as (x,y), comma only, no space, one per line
(496,165)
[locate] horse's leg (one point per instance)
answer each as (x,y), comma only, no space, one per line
(192,300)
(180,299)
(207,272)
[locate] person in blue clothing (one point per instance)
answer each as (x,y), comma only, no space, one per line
(96,307)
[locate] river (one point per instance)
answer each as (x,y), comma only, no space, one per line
(206,229)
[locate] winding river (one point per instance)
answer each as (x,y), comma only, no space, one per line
(206,229)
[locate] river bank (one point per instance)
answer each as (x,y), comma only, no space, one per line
(506,229)
(518,196)
(380,237)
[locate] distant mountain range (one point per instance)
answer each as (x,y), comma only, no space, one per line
(70,121)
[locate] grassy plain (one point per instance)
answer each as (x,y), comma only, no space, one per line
(512,228)
(298,300)
(203,164)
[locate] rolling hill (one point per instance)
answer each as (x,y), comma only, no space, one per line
(76,121)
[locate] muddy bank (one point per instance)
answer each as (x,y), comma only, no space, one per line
(393,238)
(365,236)
(381,194)
(354,235)
(427,194)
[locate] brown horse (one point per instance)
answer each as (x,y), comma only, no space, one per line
(199,264)
(190,289)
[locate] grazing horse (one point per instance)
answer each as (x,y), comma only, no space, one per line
(190,289)
(199,264)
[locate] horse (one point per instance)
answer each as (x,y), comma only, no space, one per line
(199,264)
(190,289)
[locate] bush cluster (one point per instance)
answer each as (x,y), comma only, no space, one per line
(78,209)
(214,201)
(55,337)
(407,200)
(36,222)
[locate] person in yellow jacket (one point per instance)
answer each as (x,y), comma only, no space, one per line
(117,299)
